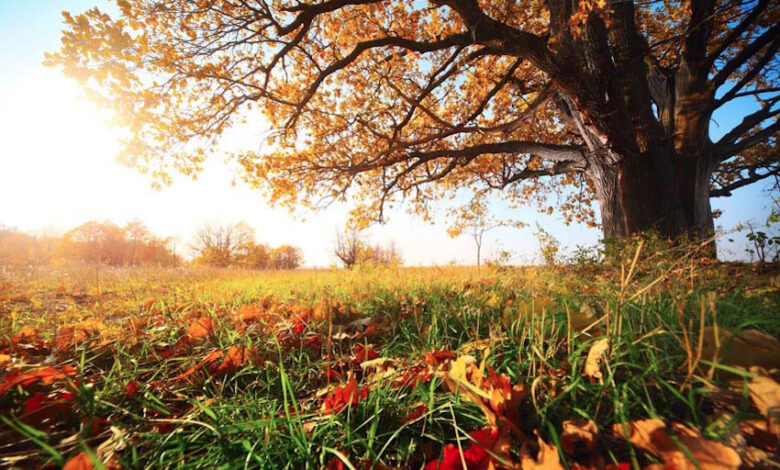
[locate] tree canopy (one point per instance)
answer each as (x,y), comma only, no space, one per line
(382,100)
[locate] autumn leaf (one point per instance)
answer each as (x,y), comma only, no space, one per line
(79,462)
(26,334)
(745,348)
(218,362)
(45,375)
(200,328)
(651,435)
(596,355)
(131,389)
(339,397)
(546,458)
(765,393)
(489,449)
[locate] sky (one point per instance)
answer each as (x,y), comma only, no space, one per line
(58,170)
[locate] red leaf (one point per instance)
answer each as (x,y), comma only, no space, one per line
(131,389)
(475,455)
(33,403)
(79,462)
(201,328)
(419,410)
(363,354)
(437,357)
(47,375)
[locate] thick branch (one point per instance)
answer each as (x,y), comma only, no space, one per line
(738,30)
(309,12)
(749,122)
(557,169)
(753,176)
(500,37)
(555,152)
(409,44)
(749,51)
(724,152)
(752,73)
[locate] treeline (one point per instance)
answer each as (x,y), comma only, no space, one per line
(234,245)
(231,245)
(353,249)
(91,242)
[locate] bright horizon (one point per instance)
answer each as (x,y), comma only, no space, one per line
(58,170)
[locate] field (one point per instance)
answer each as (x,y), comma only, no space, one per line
(623,365)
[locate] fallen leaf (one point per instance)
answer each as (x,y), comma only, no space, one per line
(745,348)
(547,457)
(131,389)
(651,436)
(200,328)
(46,375)
(765,393)
(578,437)
(597,354)
(79,462)
(489,449)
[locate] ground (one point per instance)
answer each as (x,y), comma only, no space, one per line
(627,364)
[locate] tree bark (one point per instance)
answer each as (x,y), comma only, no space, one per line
(658,191)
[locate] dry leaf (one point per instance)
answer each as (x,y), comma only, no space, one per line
(765,393)
(578,437)
(651,436)
(79,462)
(46,375)
(597,353)
(744,349)
(200,328)
(547,457)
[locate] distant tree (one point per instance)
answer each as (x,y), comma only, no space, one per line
(15,247)
(156,251)
(138,234)
(380,255)
(348,246)
(223,245)
(256,256)
(548,244)
(286,257)
(98,243)
(475,220)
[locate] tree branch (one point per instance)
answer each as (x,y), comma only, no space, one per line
(749,122)
(554,152)
(753,176)
(557,169)
(743,56)
(738,30)
(500,37)
(726,151)
(751,74)
(409,44)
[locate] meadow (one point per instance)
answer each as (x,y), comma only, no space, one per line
(651,360)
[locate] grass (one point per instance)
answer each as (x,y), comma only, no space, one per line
(142,395)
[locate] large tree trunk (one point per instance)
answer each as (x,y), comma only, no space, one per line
(656,191)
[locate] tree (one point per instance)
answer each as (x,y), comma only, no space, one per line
(549,246)
(286,257)
(97,242)
(138,234)
(257,256)
(475,220)
(349,245)
(223,244)
(381,100)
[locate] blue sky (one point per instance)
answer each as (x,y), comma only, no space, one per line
(57,169)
